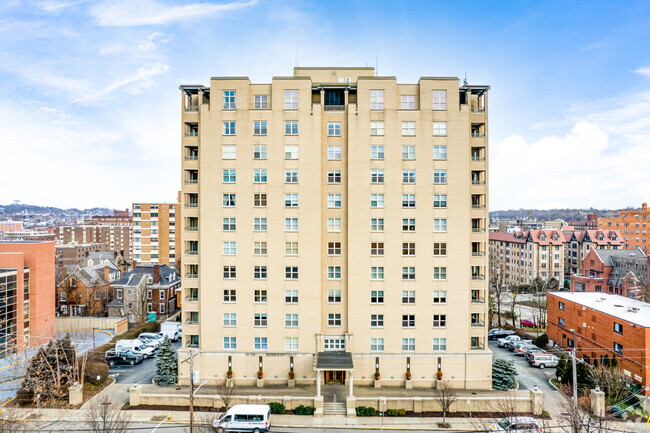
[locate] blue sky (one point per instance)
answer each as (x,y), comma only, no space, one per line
(89,108)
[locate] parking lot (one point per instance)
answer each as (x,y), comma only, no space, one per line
(139,373)
(528,377)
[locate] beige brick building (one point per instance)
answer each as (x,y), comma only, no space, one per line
(154,234)
(335,214)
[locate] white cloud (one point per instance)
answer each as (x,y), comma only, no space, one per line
(58,6)
(149,12)
(644,70)
(142,77)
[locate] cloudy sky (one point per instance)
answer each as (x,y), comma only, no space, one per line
(90,106)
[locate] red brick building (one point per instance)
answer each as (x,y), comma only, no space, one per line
(590,224)
(618,272)
(634,225)
(26,294)
(599,324)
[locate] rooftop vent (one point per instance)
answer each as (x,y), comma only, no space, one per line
(633,310)
(617,305)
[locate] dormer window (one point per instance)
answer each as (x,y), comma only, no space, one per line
(555,238)
(542,238)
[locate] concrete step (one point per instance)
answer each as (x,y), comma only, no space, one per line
(334,408)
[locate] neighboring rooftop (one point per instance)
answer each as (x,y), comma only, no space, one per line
(627,309)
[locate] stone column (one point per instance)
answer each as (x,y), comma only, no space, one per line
(536,401)
(317,383)
(598,403)
(351,379)
(134,395)
(75,394)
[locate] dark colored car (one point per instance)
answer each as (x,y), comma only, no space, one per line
(124,357)
(496,333)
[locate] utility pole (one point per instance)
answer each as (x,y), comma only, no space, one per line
(191,361)
(575,374)
(94,337)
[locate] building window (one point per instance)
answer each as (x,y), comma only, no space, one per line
(229,100)
(333,176)
(376,248)
(291,176)
(408,102)
(259,224)
(618,328)
(291,200)
(229,128)
(333,153)
(259,272)
(291,127)
(439,344)
(562,306)
(334,319)
(377,297)
(377,128)
(259,151)
(439,225)
(260,343)
(377,200)
(439,248)
(290,99)
(376,99)
(229,176)
(377,273)
(291,344)
(408,128)
(376,224)
(439,176)
(229,272)
(229,343)
(229,319)
(334,296)
(408,248)
(439,320)
(259,176)
(229,295)
(333,272)
(229,151)
(376,320)
(408,176)
(408,344)
(291,248)
(291,320)
(376,344)
(408,273)
(291,272)
(408,224)
(408,152)
(439,273)
(440,152)
(229,200)
(259,200)
(333,201)
(408,296)
(376,176)
(259,248)
(439,296)
(439,128)
(291,224)
(618,348)
(333,224)
(440,100)
(408,200)
(561,322)
(334,248)
(291,296)
(261,102)
(376,152)
(259,127)
(334,129)
(440,200)
(260,319)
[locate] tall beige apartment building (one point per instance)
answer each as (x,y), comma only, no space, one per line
(340,223)
(154,234)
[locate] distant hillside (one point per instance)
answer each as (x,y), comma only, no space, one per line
(13,209)
(552,214)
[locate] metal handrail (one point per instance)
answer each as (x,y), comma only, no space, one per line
(334,107)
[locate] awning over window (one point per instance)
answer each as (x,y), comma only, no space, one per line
(334,361)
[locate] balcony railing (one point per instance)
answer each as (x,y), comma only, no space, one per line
(192,322)
(478,277)
(192,134)
(477,324)
(478,301)
(192,252)
(478,135)
(478,206)
(478,158)
(188,275)
(478,347)
(478,182)
(192,158)
(478,109)
(192,108)
(478,229)
(334,107)
(189,344)
(191,205)
(191,229)
(192,298)
(193,181)
(478,253)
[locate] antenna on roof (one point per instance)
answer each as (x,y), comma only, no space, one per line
(465,80)
(376,66)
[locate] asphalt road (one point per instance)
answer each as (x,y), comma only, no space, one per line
(528,377)
(140,373)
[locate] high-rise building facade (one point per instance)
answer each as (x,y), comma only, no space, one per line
(634,225)
(154,234)
(335,214)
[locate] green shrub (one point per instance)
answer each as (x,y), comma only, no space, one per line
(401,412)
(365,411)
(277,408)
(304,410)
(541,341)
(391,412)
(94,369)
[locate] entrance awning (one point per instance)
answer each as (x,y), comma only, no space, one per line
(338,361)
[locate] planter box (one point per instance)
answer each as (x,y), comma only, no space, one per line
(408,384)
(377,383)
(260,383)
(292,383)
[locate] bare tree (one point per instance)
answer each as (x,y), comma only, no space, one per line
(445,395)
(513,304)
(11,422)
(226,393)
(497,292)
(611,382)
(105,416)
(203,423)
(576,418)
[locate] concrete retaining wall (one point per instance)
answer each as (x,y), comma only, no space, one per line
(117,324)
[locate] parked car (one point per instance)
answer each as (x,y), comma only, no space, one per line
(543,360)
(136,346)
(521,349)
(150,342)
(503,342)
(124,357)
(171,329)
(513,344)
(525,323)
(496,333)
(158,336)
(517,424)
(532,350)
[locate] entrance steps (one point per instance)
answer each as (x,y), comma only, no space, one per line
(334,408)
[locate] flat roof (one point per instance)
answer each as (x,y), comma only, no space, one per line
(627,309)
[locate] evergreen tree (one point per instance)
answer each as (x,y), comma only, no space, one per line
(166,365)
(614,363)
(503,374)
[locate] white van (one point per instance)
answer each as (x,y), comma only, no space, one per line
(171,329)
(136,346)
(254,418)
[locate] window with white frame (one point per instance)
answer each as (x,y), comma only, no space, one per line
(376,248)
(291,176)
(229,127)
(229,295)
(377,200)
(230,272)
(439,320)
(290,99)
(408,273)
(376,224)
(259,224)
(440,224)
(260,296)
(334,296)
(333,272)
(229,151)
(334,129)
(259,127)
(259,272)
(440,100)
(291,344)
(229,100)
(440,200)
(291,224)
(260,343)
(408,224)
(259,248)
(230,176)
(229,319)
(408,102)
(291,272)
(260,319)
(408,176)
(334,319)
(408,152)
(439,128)
(229,200)
(377,99)
(291,320)
(440,152)
(291,200)
(229,343)
(408,200)
(334,248)
(291,127)
(408,248)
(259,176)
(408,344)
(408,296)
(439,296)
(290,151)
(229,224)
(259,151)
(376,296)
(376,320)
(408,128)
(291,248)
(377,128)
(376,152)
(261,102)
(291,296)
(439,344)
(333,152)
(439,248)
(377,273)
(229,248)
(439,176)
(333,176)
(376,176)
(440,273)
(333,224)
(376,344)
(259,200)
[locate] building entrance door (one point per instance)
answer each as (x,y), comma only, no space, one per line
(335,376)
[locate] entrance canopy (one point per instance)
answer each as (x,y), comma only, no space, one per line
(337,361)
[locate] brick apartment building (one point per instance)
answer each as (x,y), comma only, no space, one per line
(26,294)
(117,238)
(633,225)
(10,226)
(75,254)
(154,234)
(598,325)
(590,224)
(618,272)
(580,242)
(119,218)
